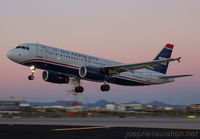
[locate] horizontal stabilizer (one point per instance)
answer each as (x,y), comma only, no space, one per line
(175,76)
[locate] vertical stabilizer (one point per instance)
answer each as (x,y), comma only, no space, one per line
(166,52)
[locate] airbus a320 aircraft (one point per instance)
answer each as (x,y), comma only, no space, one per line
(60,65)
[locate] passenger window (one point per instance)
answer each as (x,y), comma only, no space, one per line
(23,47)
(27,48)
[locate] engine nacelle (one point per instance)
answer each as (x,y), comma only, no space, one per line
(55,77)
(92,73)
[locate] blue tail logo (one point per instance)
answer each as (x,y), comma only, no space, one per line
(165,53)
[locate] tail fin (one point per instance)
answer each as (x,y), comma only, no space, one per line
(166,52)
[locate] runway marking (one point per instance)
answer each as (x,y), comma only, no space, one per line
(82,128)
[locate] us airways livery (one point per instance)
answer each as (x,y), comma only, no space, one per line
(62,65)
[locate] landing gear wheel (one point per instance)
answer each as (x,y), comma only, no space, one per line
(102,88)
(105,87)
(31,77)
(67,80)
(79,89)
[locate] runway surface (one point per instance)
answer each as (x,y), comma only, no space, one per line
(150,122)
(98,128)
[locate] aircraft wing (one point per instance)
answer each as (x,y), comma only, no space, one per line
(175,76)
(131,67)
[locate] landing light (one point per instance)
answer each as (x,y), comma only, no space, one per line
(32,67)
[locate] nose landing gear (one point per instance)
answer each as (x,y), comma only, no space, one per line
(31,77)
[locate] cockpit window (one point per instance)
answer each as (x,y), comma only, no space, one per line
(22,47)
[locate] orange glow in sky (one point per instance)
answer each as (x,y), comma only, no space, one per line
(125,31)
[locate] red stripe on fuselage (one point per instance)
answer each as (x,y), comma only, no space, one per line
(31,60)
(49,62)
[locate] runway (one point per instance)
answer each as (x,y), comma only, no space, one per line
(147,122)
(98,128)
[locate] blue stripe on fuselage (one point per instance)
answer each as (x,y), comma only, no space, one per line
(75,72)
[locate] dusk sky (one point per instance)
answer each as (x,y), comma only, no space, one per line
(126,31)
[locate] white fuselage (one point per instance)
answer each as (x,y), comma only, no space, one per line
(54,59)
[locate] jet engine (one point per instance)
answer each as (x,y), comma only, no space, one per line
(92,73)
(55,77)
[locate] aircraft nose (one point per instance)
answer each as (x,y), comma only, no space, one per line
(10,54)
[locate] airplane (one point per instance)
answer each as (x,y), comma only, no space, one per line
(61,65)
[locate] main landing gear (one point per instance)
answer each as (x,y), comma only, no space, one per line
(105,87)
(78,88)
(31,77)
